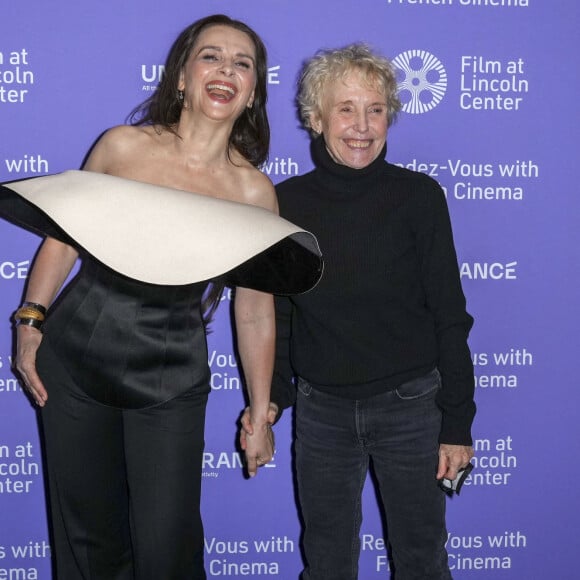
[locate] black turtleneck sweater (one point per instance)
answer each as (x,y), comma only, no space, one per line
(389,306)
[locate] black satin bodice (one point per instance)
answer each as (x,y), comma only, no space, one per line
(129,344)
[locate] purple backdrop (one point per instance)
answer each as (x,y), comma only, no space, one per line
(489,88)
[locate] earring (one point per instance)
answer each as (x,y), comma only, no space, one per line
(180,95)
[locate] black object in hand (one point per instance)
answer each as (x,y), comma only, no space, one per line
(449,486)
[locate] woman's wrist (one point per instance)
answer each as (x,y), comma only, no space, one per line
(259,420)
(30,314)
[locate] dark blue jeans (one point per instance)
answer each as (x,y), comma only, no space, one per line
(336,439)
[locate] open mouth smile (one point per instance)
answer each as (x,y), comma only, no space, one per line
(358,143)
(221,91)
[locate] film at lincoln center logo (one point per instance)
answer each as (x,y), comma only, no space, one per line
(422,81)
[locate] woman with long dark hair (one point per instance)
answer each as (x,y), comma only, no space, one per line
(118,363)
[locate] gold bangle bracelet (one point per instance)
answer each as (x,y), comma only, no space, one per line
(35,305)
(29,312)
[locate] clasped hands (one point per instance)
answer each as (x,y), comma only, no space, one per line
(257,440)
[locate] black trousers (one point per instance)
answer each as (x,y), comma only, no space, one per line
(124,485)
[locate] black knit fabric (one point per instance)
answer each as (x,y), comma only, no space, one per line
(389,307)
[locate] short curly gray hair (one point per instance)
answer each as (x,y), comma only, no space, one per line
(328,65)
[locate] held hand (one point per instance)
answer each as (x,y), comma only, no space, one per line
(259,447)
(28,341)
(451,459)
(247,428)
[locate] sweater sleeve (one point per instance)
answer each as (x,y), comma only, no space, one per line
(283,391)
(446,302)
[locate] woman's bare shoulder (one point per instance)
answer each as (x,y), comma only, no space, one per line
(257,189)
(250,185)
(123,136)
(117,144)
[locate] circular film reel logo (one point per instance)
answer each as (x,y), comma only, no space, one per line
(422,81)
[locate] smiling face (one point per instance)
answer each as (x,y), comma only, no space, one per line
(219,76)
(353,120)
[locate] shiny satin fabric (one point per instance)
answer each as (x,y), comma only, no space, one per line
(128,344)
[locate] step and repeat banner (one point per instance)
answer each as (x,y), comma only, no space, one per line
(490,91)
